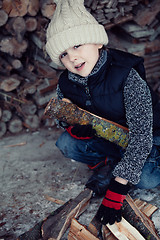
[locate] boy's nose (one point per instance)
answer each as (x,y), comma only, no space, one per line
(72,56)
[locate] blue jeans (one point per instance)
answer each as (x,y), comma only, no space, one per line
(96,150)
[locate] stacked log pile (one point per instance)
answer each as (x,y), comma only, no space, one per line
(28,78)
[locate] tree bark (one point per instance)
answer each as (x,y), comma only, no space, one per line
(71,114)
(54,226)
(139,220)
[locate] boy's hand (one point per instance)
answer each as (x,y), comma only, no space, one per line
(81,131)
(110,209)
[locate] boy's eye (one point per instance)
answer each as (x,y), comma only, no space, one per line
(63,55)
(77,46)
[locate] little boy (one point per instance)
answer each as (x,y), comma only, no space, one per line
(111,84)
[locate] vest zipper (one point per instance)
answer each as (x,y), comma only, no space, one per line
(88,101)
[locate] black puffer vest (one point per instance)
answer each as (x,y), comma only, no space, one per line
(103,95)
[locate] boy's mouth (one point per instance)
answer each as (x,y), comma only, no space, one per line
(79,66)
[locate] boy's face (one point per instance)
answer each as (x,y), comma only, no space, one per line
(81,59)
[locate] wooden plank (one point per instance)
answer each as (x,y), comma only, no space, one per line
(145,207)
(125,231)
(79,232)
(55,226)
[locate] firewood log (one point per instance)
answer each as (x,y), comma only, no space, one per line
(3,129)
(15,125)
(27,88)
(133,213)
(6,115)
(19,28)
(3,17)
(8,84)
(15,8)
(38,40)
(54,226)
(21,8)
(95,227)
(42,99)
(28,75)
(147,208)
(35,232)
(31,24)
(33,7)
(79,232)
(46,71)
(32,122)
(14,62)
(5,67)
(124,230)
(47,8)
(11,46)
(139,220)
(148,14)
(70,113)
(29,109)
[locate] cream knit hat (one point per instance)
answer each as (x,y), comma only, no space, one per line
(72,25)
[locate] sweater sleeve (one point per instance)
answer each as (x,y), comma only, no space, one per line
(138,106)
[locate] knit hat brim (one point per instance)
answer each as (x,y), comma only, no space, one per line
(77,35)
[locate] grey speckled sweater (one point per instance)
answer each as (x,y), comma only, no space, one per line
(138,106)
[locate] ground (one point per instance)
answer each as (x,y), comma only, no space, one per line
(32,168)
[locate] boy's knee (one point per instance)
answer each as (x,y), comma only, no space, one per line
(63,142)
(66,144)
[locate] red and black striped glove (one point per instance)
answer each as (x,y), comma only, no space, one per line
(110,209)
(79,131)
